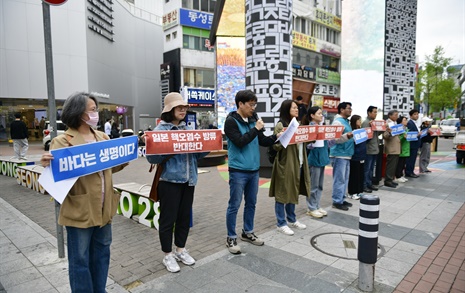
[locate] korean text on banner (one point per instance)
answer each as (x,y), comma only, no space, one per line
(434,131)
(183,141)
(89,158)
(329,132)
(369,132)
(304,134)
(412,136)
(397,129)
(360,135)
(378,125)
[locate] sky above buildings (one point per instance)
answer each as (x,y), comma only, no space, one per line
(441,23)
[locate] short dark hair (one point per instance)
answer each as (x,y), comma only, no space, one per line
(399,120)
(17,115)
(353,121)
(312,110)
(413,111)
(371,108)
(284,110)
(73,108)
(245,96)
(342,106)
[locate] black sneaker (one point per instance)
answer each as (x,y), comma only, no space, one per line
(367,190)
(251,238)
(373,188)
(340,206)
(231,244)
(347,204)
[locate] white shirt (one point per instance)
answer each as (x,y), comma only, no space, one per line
(108,128)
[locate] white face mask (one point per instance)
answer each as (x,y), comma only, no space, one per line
(93,119)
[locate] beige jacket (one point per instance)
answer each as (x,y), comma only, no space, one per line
(82,208)
(391,143)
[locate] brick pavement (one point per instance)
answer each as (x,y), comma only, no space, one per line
(442,266)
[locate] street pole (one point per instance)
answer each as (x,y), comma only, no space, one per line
(52,113)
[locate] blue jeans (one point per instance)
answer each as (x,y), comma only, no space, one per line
(88,258)
(281,217)
(317,175)
(369,167)
(341,172)
(241,183)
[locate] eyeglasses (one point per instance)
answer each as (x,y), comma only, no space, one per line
(253,105)
(95,111)
(182,108)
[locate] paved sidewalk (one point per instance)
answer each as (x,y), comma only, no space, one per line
(414,218)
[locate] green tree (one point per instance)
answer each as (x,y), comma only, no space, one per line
(438,91)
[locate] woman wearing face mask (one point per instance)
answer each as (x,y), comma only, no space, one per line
(90,204)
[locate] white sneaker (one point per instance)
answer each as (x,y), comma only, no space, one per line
(323,212)
(398,180)
(170,263)
(315,213)
(405,179)
(298,225)
(184,257)
(285,230)
(354,196)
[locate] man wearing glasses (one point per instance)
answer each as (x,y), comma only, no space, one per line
(244,132)
(340,155)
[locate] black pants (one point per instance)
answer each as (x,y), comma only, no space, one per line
(391,165)
(400,166)
(356,177)
(175,210)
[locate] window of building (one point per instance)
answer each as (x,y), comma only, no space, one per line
(168,37)
(199,77)
(175,34)
(202,5)
(194,38)
(314,59)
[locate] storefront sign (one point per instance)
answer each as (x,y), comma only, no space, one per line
(304,72)
(330,104)
(89,158)
(170,19)
(326,90)
(328,76)
(183,141)
(195,18)
(328,19)
(200,97)
(303,41)
(378,125)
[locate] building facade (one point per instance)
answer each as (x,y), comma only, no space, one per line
(109,47)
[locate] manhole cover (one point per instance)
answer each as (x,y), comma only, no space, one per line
(341,245)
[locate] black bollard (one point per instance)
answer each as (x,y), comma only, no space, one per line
(368,241)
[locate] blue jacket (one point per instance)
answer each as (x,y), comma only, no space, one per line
(415,144)
(243,141)
(180,168)
(345,149)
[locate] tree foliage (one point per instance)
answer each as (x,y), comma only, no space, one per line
(438,91)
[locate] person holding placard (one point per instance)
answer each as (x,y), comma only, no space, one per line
(357,162)
(404,153)
(414,145)
(391,149)
(425,148)
(372,150)
(318,158)
(91,203)
(290,175)
(175,188)
(340,155)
